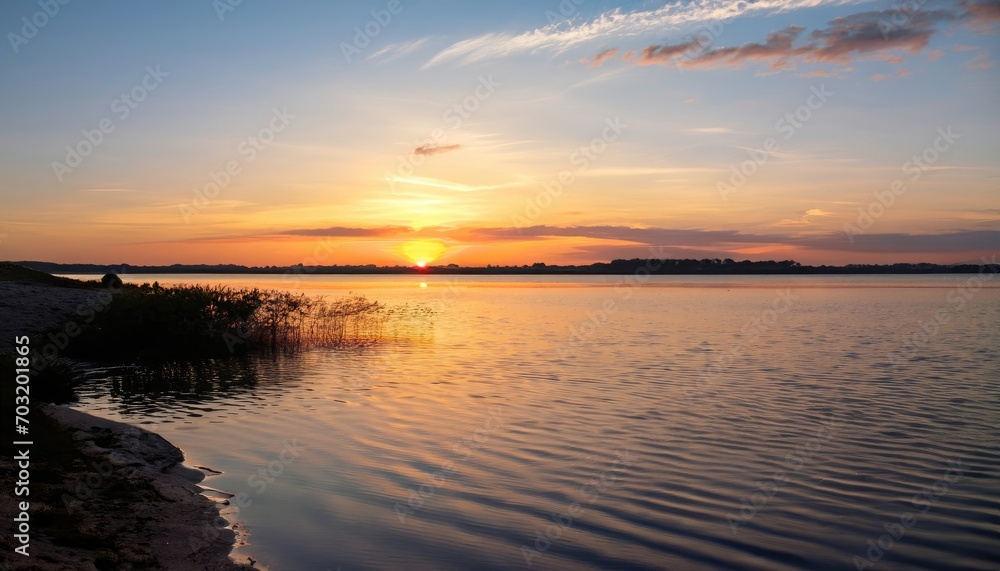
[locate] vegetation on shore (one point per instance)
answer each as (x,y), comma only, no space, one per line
(120,514)
(194,321)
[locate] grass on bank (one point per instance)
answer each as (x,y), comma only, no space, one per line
(216,321)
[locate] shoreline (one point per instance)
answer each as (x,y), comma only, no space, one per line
(104,494)
(127,502)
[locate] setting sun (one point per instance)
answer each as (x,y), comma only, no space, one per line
(422,252)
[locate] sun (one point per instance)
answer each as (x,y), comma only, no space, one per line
(422,252)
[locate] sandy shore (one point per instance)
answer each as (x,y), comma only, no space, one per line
(30,308)
(104,495)
(129,503)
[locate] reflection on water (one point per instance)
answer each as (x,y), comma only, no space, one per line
(609,428)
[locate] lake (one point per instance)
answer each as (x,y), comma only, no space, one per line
(607,422)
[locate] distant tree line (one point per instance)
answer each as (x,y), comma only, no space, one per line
(664,267)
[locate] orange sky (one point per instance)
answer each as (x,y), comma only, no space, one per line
(764,130)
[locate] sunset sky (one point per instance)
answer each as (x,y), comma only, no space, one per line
(392,132)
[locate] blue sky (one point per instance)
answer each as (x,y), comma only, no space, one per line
(699,86)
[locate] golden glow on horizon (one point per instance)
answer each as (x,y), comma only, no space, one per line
(422,252)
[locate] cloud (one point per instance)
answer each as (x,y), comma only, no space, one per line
(805,217)
(935,55)
(663,54)
(776,50)
(650,236)
(734,240)
(981,61)
(988,11)
(872,34)
(900,243)
(709,130)
(395,51)
(613,25)
(838,73)
(344,232)
(107,190)
(868,33)
(446,184)
(427,150)
(686,242)
(885,76)
(598,59)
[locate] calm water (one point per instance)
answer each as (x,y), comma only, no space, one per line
(690,423)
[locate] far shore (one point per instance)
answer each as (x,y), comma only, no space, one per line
(653,266)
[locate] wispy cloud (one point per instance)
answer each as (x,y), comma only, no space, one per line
(427,150)
(885,76)
(709,130)
(396,51)
(447,184)
(981,61)
(615,25)
(345,232)
(108,190)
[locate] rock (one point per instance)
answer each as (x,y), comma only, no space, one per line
(111,281)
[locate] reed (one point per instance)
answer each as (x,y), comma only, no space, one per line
(203,321)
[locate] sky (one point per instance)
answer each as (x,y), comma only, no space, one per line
(565,132)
